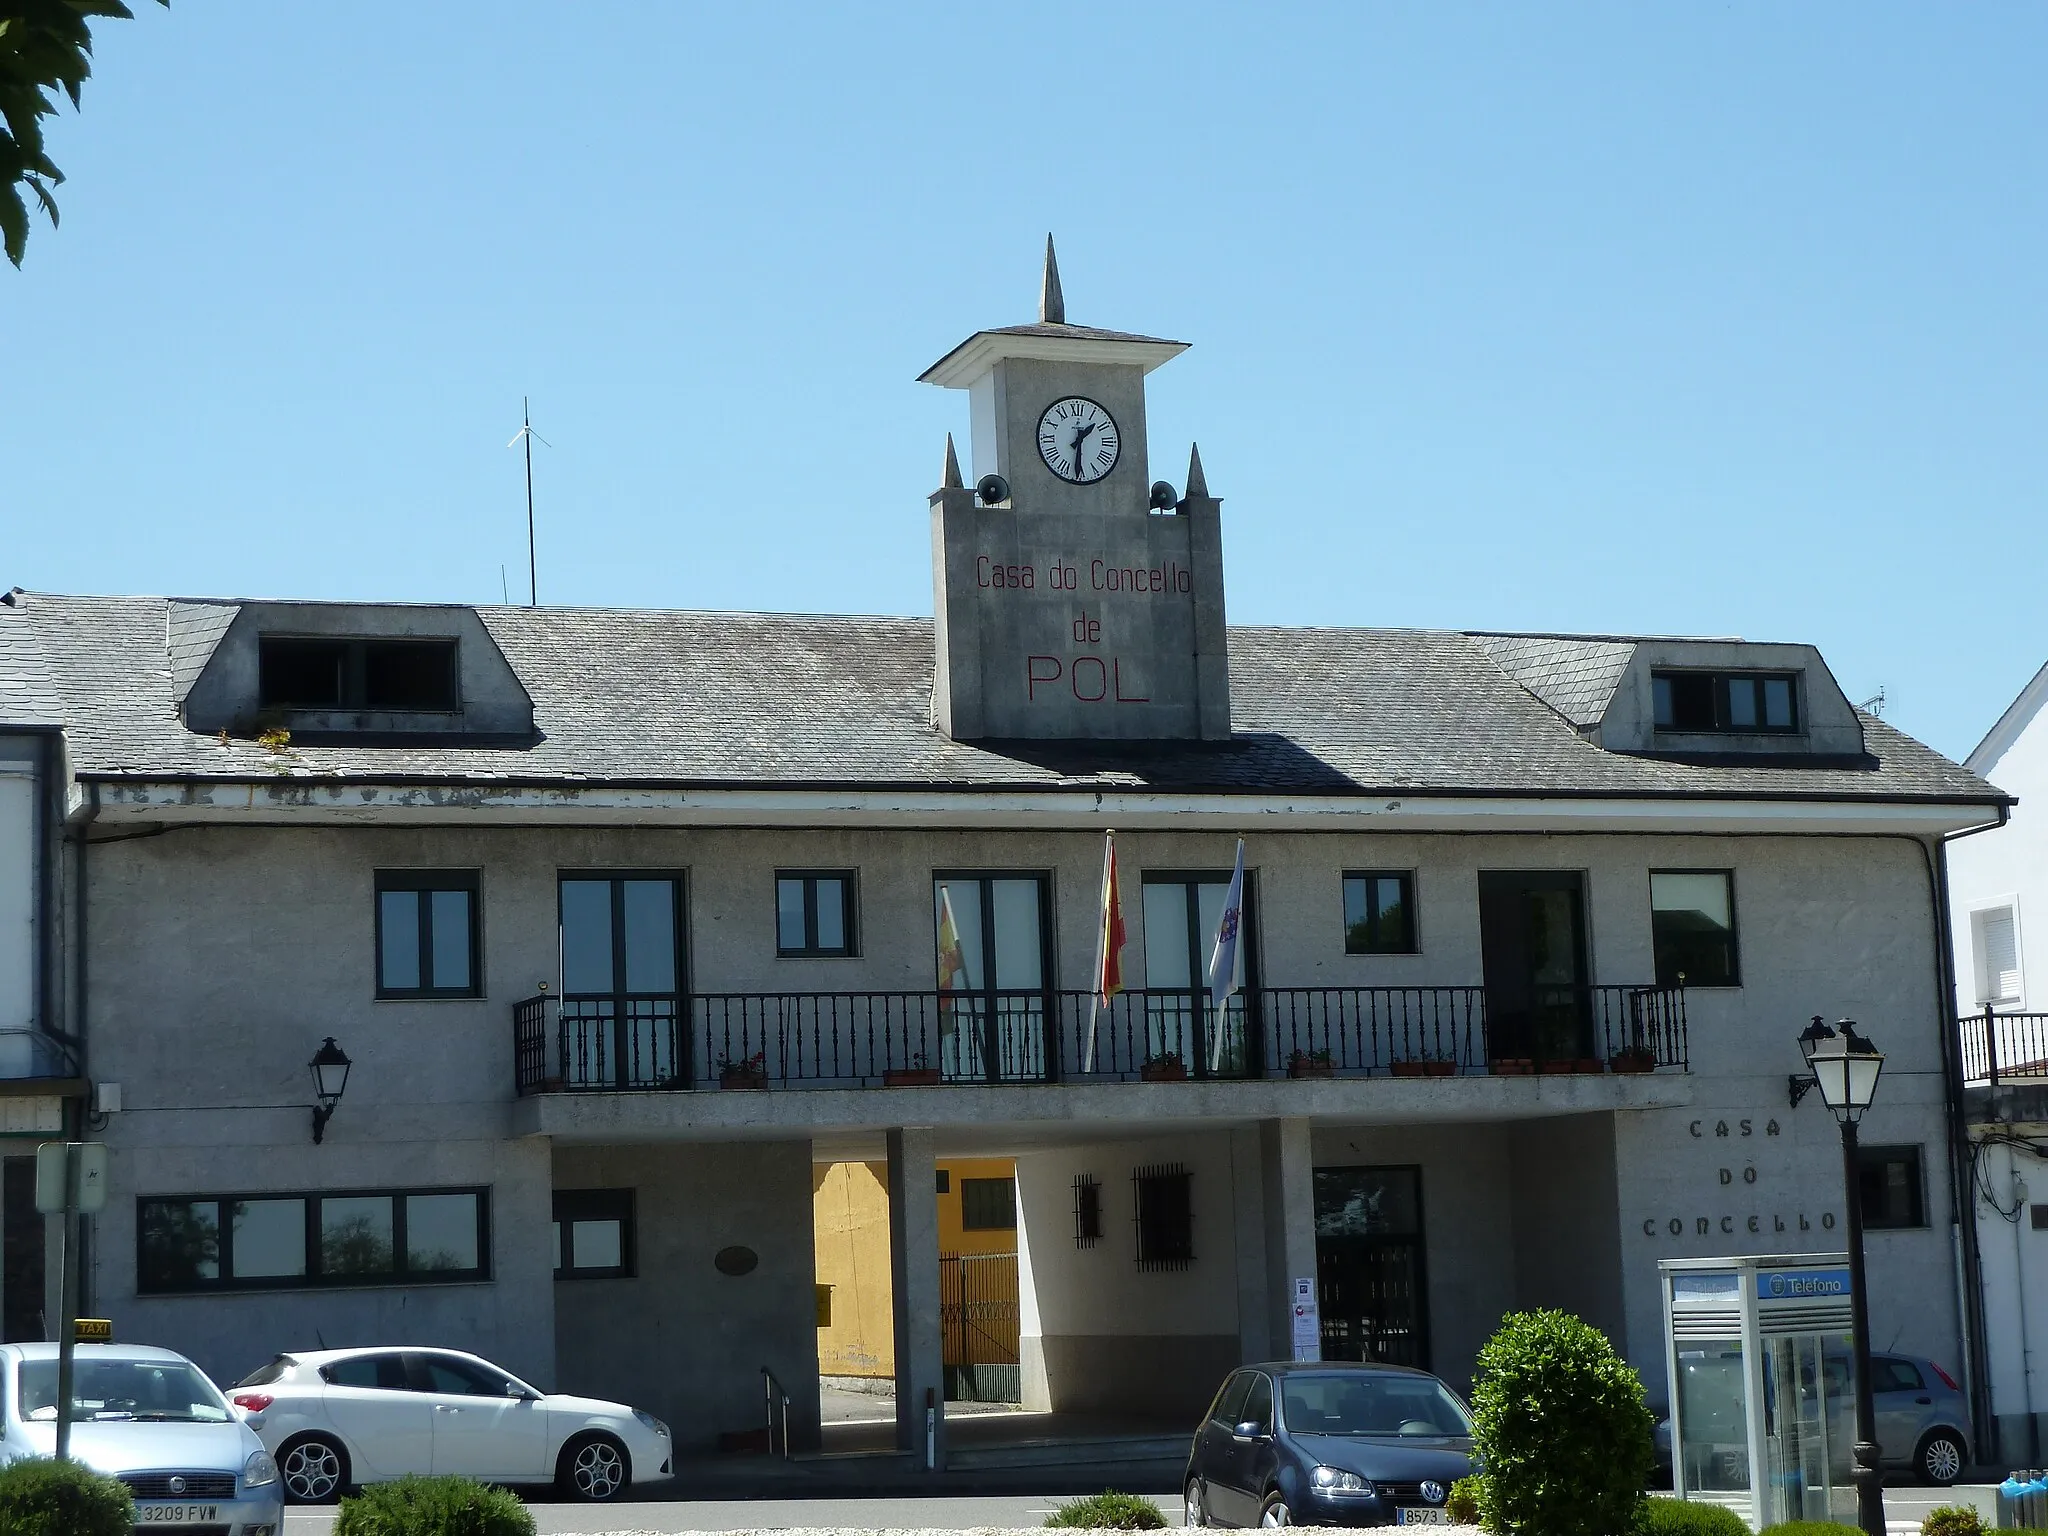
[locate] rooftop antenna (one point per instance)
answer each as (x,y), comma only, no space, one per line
(1874,705)
(526,435)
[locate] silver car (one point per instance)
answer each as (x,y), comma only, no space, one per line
(150,1418)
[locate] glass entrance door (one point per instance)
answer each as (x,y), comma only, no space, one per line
(622,980)
(993,976)
(1369,1273)
(1181,1022)
(1532,945)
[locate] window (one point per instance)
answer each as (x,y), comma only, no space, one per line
(427,933)
(308,672)
(1719,702)
(1258,1404)
(593,1234)
(994,962)
(1692,927)
(945,1181)
(1184,1030)
(1995,942)
(814,914)
(1165,1217)
(1888,1183)
(1888,1373)
(1087,1211)
(376,1373)
(988,1205)
(622,975)
(1379,914)
(370,1237)
(2037,1216)
(1229,1408)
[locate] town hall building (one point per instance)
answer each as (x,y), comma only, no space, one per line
(630,922)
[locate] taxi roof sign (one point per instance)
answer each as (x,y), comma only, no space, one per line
(93,1330)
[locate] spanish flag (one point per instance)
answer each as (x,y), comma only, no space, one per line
(952,963)
(1109,947)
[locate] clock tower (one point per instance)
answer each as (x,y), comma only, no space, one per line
(1075,600)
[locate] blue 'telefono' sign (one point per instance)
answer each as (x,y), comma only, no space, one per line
(1801,1284)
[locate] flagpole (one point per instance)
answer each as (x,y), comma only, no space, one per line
(1226,971)
(1101,947)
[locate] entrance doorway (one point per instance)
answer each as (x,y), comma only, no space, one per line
(622,980)
(1369,1265)
(1532,945)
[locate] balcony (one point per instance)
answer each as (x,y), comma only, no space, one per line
(817,1040)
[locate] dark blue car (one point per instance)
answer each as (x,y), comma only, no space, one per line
(1309,1443)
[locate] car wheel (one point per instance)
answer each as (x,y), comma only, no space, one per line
(1941,1458)
(1196,1513)
(314,1470)
(593,1468)
(1275,1511)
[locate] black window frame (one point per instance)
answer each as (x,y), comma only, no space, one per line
(1373,945)
(1670,976)
(1872,1158)
(352,659)
(1163,1216)
(811,949)
(313,1279)
(574,1205)
(426,882)
(978,1202)
(623,1017)
(1719,681)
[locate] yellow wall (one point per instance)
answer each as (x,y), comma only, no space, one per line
(851,1206)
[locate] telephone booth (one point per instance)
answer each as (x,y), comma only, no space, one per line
(1762,1377)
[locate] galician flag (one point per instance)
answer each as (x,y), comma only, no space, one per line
(1109,946)
(952,963)
(1226,960)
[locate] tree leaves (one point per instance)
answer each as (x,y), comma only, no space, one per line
(45,46)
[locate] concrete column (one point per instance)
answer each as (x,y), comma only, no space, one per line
(1287,1168)
(1248,1234)
(914,1281)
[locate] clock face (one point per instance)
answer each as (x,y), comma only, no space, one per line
(1078,440)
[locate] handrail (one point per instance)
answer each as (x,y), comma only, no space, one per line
(1998,1046)
(774,1390)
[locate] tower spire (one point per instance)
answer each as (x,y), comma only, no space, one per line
(952,481)
(1052,304)
(1198,483)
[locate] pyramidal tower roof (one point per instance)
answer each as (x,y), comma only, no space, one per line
(1050,338)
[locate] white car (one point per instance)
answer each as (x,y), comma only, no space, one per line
(150,1418)
(336,1418)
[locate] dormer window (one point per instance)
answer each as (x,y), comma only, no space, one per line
(1726,702)
(344,673)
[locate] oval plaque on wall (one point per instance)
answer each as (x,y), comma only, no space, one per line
(736,1260)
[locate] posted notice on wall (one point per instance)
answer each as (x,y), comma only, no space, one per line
(1308,1320)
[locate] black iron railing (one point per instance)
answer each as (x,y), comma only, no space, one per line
(2002,1047)
(909,1039)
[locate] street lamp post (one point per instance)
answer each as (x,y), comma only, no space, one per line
(1845,1068)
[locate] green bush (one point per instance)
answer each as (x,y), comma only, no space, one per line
(1105,1511)
(61,1498)
(1689,1517)
(1814,1528)
(431,1506)
(1953,1520)
(1560,1425)
(1463,1504)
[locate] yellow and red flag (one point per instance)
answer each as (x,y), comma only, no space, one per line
(1109,948)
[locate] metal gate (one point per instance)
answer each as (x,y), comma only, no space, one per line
(979,1322)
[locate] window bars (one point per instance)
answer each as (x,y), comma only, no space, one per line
(1165,1216)
(1087,1211)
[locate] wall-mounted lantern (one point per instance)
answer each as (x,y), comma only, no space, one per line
(330,1066)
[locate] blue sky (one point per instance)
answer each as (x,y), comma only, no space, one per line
(1721,319)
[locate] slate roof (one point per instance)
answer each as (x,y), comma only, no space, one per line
(669,697)
(1574,674)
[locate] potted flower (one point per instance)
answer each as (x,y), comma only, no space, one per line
(1311,1064)
(918,1076)
(1426,1064)
(1166,1067)
(1633,1058)
(1511,1066)
(1559,1066)
(743,1072)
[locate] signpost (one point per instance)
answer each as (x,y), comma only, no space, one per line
(1308,1320)
(71,1180)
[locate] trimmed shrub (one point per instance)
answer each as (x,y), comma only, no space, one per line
(1814,1528)
(432,1506)
(1689,1517)
(1953,1520)
(1463,1504)
(1561,1427)
(1105,1511)
(61,1498)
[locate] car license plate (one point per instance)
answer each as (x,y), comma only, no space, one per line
(1405,1516)
(177,1514)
